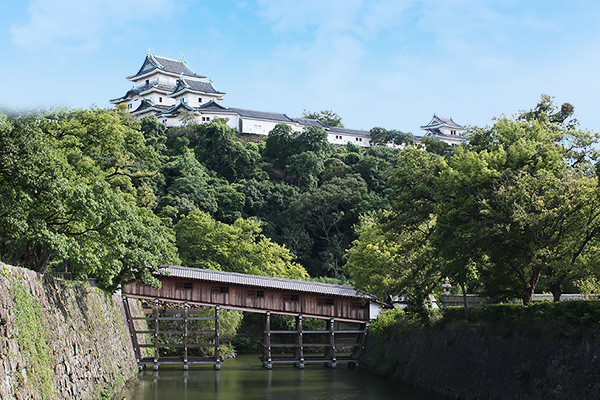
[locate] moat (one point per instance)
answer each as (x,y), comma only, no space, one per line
(244,378)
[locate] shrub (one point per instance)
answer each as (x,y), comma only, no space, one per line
(381,326)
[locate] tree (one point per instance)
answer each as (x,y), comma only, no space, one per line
(381,137)
(240,247)
(516,206)
(219,149)
(386,263)
(74,193)
(326,117)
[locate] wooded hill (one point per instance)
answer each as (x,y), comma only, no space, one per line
(99,194)
(514,209)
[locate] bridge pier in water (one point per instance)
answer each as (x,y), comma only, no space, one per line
(154,334)
(174,326)
(297,342)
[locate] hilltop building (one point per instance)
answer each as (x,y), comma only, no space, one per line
(168,89)
(445,130)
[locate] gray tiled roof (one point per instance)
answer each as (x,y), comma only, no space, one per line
(165,64)
(145,104)
(438,121)
(308,122)
(262,115)
(213,106)
(354,132)
(262,281)
(204,87)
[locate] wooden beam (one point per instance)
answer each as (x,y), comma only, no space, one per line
(132,331)
(247,309)
(267,359)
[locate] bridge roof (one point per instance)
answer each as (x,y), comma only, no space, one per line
(260,281)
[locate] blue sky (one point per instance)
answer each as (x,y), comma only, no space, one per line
(390,63)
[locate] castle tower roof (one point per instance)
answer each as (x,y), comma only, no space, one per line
(165,65)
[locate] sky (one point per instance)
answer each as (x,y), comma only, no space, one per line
(387,63)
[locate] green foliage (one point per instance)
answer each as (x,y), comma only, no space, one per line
(381,137)
(383,324)
(326,117)
(516,206)
(384,263)
(241,247)
(32,334)
(74,190)
(559,319)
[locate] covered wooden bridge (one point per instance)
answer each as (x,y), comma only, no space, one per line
(174,312)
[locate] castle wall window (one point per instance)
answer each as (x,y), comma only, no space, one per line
(160,99)
(199,99)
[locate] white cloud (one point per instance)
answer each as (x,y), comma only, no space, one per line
(81,25)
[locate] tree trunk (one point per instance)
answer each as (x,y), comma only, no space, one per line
(529,289)
(36,258)
(465,302)
(556,290)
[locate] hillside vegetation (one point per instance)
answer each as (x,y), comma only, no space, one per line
(98,194)
(513,210)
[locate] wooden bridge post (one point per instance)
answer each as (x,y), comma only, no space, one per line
(156,319)
(217,344)
(360,343)
(185,337)
(332,363)
(267,360)
(132,332)
(299,351)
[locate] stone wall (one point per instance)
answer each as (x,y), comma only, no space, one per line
(465,362)
(60,340)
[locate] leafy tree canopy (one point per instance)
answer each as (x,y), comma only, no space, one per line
(326,117)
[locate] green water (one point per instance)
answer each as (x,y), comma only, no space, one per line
(244,378)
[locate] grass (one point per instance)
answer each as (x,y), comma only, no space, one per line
(32,338)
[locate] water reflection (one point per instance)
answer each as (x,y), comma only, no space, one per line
(244,378)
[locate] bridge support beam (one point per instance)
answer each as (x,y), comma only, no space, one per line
(299,351)
(267,355)
(330,352)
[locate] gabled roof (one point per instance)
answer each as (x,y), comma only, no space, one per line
(146,104)
(194,86)
(308,122)
(178,107)
(354,132)
(155,87)
(129,94)
(262,115)
(262,281)
(438,122)
(213,106)
(168,65)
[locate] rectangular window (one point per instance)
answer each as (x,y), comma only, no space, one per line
(256,293)
(184,285)
(357,305)
(220,289)
(291,297)
(325,301)
(160,99)
(199,99)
